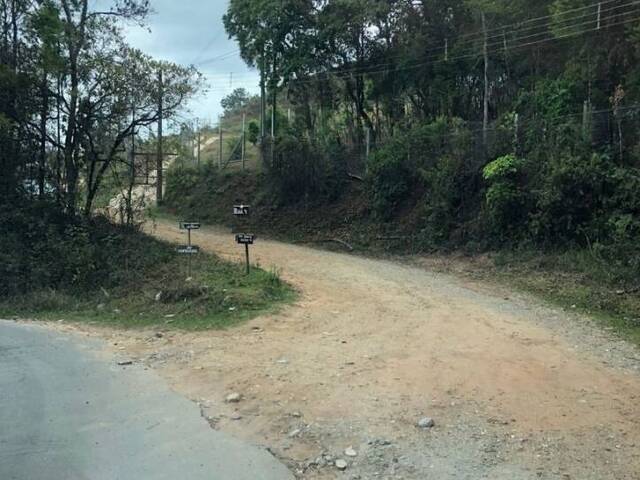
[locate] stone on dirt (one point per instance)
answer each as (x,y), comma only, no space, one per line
(341,464)
(233,398)
(426,422)
(350,452)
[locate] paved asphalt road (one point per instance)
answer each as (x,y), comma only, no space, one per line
(66,413)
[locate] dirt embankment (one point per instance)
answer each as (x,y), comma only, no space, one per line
(517,390)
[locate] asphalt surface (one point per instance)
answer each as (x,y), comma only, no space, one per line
(69,412)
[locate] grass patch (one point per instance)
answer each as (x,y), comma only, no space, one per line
(577,281)
(218,295)
(94,271)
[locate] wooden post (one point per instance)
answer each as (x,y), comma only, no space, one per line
(516,134)
(244,139)
(485,116)
(160,158)
(199,138)
(368,146)
(263,102)
(220,142)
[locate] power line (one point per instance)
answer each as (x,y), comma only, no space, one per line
(375,68)
(360,71)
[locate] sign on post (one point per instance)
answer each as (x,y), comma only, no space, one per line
(241,210)
(188,249)
(189,225)
(245,238)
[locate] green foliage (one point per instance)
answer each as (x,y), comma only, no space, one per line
(53,265)
(389,180)
(504,199)
(253,132)
(303,170)
(42,248)
(235,101)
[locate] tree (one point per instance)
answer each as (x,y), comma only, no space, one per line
(235,101)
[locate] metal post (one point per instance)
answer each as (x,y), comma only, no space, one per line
(246,252)
(189,255)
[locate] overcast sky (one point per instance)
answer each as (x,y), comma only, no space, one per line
(191,32)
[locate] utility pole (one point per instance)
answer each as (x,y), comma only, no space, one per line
(368,145)
(132,168)
(160,159)
(199,129)
(274,94)
(263,102)
(219,141)
(42,164)
(244,139)
(485,117)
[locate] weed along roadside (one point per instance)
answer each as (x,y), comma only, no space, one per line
(147,282)
(578,280)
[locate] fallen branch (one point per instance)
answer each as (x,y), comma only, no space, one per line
(355,177)
(328,240)
(395,237)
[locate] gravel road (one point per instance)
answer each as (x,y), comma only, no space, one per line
(518,390)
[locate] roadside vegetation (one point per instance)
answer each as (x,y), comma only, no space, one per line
(579,279)
(469,126)
(53,267)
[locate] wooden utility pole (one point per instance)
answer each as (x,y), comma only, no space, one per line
(368,144)
(273,108)
(199,138)
(42,164)
(219,141)
(263,102)
(485,117)
(244,139)
(274,101)
(159,160)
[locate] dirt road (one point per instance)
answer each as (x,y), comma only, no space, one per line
(517,390)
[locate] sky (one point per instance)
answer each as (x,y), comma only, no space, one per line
(191,32)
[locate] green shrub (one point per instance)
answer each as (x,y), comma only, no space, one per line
(304,170)
(389,180)
(505,200)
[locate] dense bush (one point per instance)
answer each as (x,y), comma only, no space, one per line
(435,157)
(505,199)
(389,179)
(43,248)
(306,170)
